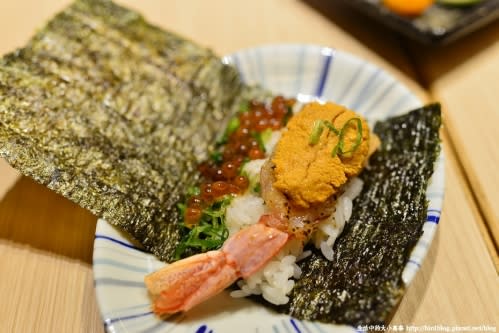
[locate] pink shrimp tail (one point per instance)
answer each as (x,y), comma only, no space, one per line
(188,282)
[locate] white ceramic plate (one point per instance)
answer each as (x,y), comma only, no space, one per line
(308,72)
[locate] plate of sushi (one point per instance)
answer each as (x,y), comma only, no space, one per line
(284,188)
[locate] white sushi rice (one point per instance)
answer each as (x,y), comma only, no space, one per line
(252,171)
(329,229)
(275,280)
(243,211)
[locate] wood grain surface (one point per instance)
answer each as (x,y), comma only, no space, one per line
(8,177)
(465,78)
(46,241)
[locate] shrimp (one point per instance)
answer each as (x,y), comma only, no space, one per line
(188,282)
(299,222)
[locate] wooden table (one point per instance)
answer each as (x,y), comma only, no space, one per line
(46,241)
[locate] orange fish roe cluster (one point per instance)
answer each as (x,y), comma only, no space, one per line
(240,143)
(408,7)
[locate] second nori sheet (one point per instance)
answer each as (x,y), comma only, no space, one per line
(363,283)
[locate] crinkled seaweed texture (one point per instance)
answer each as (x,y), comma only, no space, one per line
(363,284)
(114,114)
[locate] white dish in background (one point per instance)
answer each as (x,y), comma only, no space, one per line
(308,72)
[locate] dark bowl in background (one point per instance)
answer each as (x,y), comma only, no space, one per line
(437,25)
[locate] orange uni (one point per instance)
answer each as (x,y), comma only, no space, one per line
(310,174)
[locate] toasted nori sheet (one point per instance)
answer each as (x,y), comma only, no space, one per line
(363,284)
(114,114)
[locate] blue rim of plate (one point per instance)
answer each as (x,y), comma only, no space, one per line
(309,72)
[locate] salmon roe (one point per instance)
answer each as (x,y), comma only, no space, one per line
(221,173)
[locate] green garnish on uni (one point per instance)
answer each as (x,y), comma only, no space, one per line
(317,130)
(210,233)
(339,149)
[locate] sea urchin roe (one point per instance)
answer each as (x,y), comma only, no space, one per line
(309,173)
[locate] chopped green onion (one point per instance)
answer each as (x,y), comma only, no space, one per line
(288,115)
(193,190)
(331,127)
(241,167)
(266,134)
(232,126)
(222,140)
(317,130)
(340,147)
(216,156)
(244,107)
(259,138)
(210,233)
(181,207)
